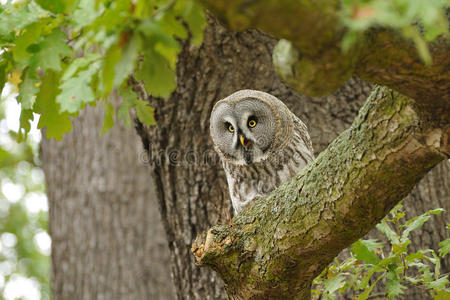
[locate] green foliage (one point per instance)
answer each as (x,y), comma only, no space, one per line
(430,15)
(144,112)
(372,263)
(61,55)
(76,91)
(445,247)
(49,109)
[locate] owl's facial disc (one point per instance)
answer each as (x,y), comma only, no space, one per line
(243,130)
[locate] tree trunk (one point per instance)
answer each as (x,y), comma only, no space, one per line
(106,243)
(107,238)
(191,185)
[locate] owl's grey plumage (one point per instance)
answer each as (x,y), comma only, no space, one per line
(261,144)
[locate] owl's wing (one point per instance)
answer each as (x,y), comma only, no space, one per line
(302,130)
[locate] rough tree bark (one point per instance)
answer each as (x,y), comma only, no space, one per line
(107,238)
(192,193)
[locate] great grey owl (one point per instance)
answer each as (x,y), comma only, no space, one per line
(261,144)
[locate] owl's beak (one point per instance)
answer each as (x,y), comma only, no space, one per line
(244,141)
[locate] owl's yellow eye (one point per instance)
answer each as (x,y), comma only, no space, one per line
(230,128)
(252,123)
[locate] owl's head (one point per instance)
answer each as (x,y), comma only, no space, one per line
(248,125)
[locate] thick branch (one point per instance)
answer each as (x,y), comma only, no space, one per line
(389,60)
(276,247)
(380,56)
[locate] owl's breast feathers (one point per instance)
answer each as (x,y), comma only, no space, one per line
(248,156)
(247,182)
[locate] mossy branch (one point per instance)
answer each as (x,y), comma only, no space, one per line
(380,55)
(276,247)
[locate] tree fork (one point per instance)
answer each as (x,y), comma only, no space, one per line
(276,247)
